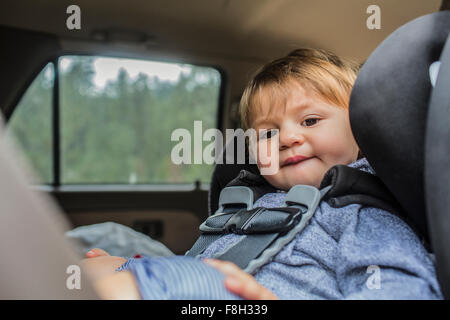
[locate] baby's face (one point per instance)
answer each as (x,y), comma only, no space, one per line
(313,136)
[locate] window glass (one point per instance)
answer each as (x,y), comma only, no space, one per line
(30,126)
(117,117)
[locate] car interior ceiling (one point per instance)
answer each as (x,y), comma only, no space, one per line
(249,34)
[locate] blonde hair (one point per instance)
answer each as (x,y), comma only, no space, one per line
(329,76)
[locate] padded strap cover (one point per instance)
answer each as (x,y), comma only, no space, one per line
(350,185)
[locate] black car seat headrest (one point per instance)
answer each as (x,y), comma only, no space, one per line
(405,137)
(389,106)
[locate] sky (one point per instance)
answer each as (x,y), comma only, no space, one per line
(108,69)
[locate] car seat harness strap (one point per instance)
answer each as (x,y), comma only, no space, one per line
(266,230)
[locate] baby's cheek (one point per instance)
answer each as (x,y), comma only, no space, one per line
(267,154)
(335,149)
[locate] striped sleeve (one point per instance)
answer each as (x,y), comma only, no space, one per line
(177,278)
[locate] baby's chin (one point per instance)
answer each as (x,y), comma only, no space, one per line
(283,180)
(308,172)
(282,183)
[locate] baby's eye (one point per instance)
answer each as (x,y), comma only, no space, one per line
(267,134)
(310,122)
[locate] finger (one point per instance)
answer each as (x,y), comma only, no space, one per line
(250,289)
(231,270)
(96,252)
(226,267)
(240,282)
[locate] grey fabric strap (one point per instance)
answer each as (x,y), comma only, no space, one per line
(247,249)
(202,243)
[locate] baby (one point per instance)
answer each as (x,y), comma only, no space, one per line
(300,103)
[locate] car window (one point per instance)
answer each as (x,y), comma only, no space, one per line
(30,125)
(117,116)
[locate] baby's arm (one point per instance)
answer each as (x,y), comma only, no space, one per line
(109,284)
(122,285)
(178,277)
(101,266)
(380,257)
(118,286)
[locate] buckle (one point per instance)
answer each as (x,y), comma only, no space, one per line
(300,201)
(270,220)
(258,220)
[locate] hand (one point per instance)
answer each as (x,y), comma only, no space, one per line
(118,286)
(108,283)
(102,265)
(241,283)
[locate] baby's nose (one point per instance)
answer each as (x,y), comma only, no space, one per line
(291,138)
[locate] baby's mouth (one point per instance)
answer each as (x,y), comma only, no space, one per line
(294,160)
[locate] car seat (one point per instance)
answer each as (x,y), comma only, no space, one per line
(389,108)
